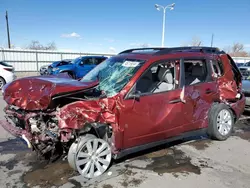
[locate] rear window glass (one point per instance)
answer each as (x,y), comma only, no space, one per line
(4,64)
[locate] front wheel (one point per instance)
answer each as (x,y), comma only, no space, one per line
(91,156)
(221,122)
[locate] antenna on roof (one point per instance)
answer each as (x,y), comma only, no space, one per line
(212,40)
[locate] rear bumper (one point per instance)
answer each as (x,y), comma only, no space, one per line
(15,131)
(239,106)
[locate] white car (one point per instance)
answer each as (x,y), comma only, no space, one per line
(6,74)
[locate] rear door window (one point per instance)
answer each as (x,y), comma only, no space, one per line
(99,60)
(195,71)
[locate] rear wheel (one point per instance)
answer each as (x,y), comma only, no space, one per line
(221,122)
(2,83)
(91,156)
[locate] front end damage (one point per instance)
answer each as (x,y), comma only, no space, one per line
(50,126)
(50,132)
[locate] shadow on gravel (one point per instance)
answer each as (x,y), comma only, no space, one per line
(168,159)
(242,129)
(13,146)
(161,159)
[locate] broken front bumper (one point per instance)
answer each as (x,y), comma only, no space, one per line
(15,131)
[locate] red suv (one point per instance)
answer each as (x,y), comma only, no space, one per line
(135,100)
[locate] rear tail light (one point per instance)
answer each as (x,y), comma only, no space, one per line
(8,69)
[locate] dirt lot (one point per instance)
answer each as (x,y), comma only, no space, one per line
(195,162)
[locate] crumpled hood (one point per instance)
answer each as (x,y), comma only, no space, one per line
(35,93)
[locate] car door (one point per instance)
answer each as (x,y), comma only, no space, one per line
(84,66)
(153,116)
(200,90)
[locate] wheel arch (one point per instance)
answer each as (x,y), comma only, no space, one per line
(100,130)
(233,111)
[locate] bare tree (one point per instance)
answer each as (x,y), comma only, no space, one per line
(237,50)
(196,41)
(36,45)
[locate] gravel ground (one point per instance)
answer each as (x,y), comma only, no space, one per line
(193,163)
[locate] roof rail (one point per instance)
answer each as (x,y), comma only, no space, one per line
(142,49)
(190,49)
(163,51)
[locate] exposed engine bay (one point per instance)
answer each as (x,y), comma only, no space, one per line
(41,129)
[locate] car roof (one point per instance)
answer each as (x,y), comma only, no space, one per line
(176,52)
(94,56)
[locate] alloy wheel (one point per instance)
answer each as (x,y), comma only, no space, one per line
(93,158)
(224,122)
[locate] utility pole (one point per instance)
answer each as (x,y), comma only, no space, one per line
(8,32)
(212,40)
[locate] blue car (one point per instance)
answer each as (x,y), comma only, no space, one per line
(77,68)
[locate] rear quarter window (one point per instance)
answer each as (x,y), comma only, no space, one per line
(218,67)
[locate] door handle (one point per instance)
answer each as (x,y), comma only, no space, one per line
(174,101)
(208,91)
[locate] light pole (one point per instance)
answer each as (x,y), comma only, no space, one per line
(159,7)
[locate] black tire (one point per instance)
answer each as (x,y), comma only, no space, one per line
(213,131)
(71,75)
(2,83)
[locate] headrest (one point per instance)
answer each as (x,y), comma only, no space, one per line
(197,70)
(166,75)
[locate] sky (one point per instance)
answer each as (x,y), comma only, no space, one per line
(115,25)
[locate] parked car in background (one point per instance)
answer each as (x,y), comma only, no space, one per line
(136,100)
(245,70)
(44,68)
(240,64)
(246,91)
(78,67)
(6,74)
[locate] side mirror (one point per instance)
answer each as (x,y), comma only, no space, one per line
(135,96)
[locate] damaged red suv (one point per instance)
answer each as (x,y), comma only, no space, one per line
(135,100)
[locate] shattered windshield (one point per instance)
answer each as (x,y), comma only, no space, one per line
(113,74)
